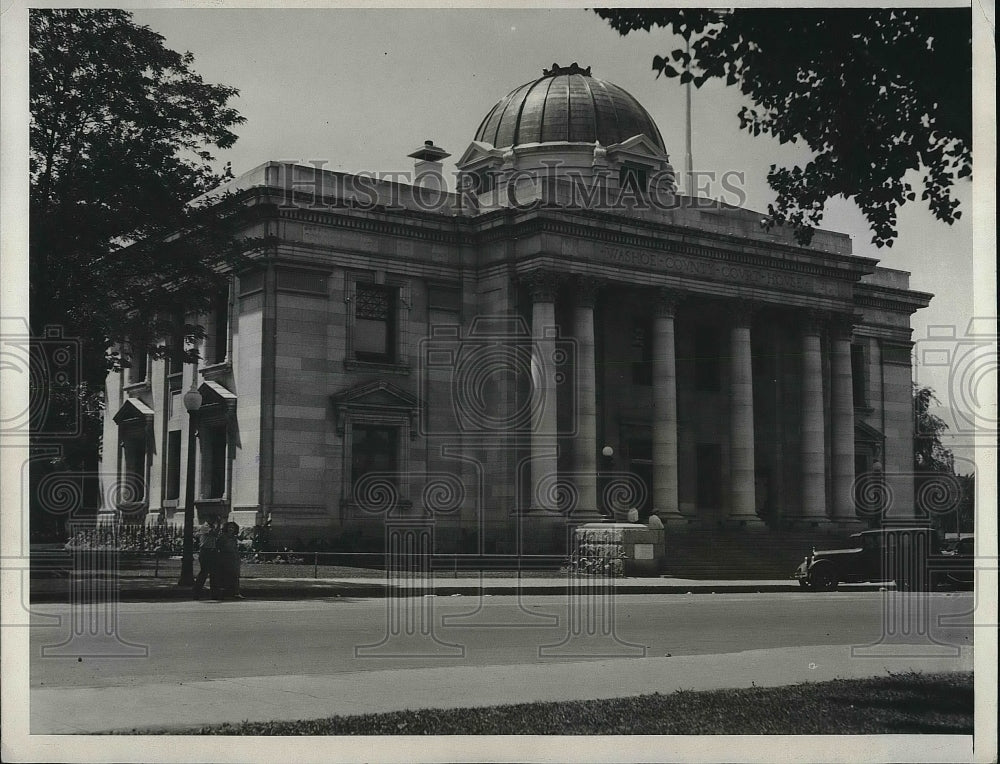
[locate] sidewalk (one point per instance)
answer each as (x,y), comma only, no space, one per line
(147,589)
(163,706)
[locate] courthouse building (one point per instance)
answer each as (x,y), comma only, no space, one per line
(559,337)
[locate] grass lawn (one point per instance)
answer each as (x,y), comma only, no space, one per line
(896,704)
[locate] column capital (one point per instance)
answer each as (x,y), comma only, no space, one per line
(665,302)
(542,285)
(585,289)
(841,325)
(742,311)
(813,321)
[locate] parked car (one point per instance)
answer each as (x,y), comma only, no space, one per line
(912,557)
(959,571)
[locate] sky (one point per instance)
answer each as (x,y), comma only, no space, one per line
(359,89)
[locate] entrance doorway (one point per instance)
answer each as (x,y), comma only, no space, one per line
(709,477)
(640,464)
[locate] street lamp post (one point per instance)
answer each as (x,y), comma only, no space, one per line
(607,464)
(192,402)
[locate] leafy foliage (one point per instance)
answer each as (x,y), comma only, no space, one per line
(874,93)
(120,134)
(121,140)
(929,453)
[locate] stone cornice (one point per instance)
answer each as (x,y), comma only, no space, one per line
(605,227)
(675,240)
(890,298)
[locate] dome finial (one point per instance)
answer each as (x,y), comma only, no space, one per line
(573,68)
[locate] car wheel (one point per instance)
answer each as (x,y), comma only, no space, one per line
(823,579)
(804,584)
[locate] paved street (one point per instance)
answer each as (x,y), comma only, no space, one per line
(208,640)
(217,661)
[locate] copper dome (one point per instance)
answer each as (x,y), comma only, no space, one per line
(567,104)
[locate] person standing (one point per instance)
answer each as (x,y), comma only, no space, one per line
(229,561)
(208,557)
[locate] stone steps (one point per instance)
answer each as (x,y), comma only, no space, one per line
(724,554)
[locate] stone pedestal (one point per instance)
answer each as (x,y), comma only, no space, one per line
(623,549)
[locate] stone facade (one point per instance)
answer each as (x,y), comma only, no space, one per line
(511,365)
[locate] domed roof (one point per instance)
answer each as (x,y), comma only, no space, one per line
(567,104)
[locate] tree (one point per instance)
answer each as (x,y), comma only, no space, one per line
(929,453)
(941,494)
(874,93)
(122,134)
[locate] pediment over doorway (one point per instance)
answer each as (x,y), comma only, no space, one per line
(865,433)
(133,411)
(373,397)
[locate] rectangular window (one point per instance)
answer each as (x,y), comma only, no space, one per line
(220,327)
(135,469)
(634,177)
(138,361)
(374,448)
(173,464)
(483,181)
(707,359)
(213,462)
(859,376)
(375,323)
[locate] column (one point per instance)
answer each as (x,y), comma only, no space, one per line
(665,500)
(585,445)
(544,444)
(813,505)
(742,490)
(842,420)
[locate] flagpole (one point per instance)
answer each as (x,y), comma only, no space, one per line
(688,160)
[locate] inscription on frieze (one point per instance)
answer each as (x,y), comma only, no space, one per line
(717,271)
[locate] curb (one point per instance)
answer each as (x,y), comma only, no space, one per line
(379,589)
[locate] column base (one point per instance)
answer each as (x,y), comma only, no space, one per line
(744,521)
(579,516)
(107,517)
(849,523)
(803,523)
(676,520)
